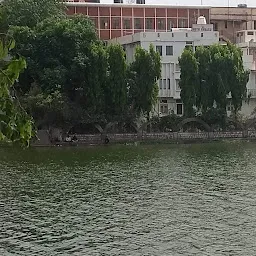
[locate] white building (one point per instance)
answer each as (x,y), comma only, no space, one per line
(170,46)
(246,40)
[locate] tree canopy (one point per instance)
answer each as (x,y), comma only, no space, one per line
(143,75)
(71,76)
(29,12)
(210,75)
(69,66)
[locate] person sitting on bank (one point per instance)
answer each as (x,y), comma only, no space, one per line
(68,138)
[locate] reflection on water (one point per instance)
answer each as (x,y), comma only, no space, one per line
(125,200)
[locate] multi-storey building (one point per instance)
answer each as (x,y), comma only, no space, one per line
(170,45)
(116,20)
(157,23)
(229,20)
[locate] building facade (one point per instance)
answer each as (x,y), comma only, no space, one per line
(246,40)
(168,29)
(117,20)
(170,45)
(229,20)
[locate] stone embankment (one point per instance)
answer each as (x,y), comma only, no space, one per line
(170,137)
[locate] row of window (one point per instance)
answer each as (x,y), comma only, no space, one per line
(166,84)
(168,50)
(215,25)
(249,33)
(164,108)
(179,107)
(139,23)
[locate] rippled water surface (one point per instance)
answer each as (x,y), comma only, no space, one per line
(126,200)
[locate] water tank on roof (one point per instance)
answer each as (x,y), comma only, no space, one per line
(201,20)
(242,5)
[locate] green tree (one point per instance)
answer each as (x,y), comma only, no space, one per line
(143,75)
(3,20)
(209,75)
(64,56)
(30,12)
(188,80)
(15,124)
(116,86)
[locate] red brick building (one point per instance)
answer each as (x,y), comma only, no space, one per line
(115,20)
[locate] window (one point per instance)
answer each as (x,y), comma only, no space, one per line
(202,34)
(215,26)
(179,108)
(159,49)
(163,101)
(104,23)
(226,24)
(177,67)
(169,50)
(250,33)
(170,25)
(116,23)
(177,85)
(172,34)
(251,52)
(230,107)
(189,42)
(182,23)
(138,23)
(255,24)
(127,23)
(164,108)
(165,84)
(160,84)
(161,24)
(149,23)
(186,34)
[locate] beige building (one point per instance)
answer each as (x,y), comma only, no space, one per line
(229,20)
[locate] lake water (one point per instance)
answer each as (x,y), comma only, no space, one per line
(153,200)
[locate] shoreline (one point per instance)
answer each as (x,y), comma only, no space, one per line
(145,142)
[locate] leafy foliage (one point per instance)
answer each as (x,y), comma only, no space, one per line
(209,75)
(73,78)
(116,87)
(15,124)
(143,75)
(29,12)
(188,80)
